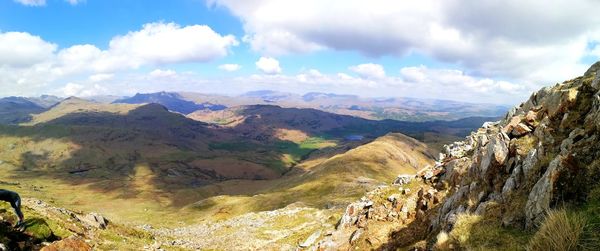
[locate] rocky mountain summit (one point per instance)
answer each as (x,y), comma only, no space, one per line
(500,188)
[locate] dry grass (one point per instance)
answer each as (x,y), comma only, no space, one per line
(560,231)
(474,232)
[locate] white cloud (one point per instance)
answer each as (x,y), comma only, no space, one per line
(455,84)
(75,2)
(21,49)
(158,73)
(29,64)
(369,71)
(596,51)
(79,90)
(230,67)
(101,77)
(418,82)
(31,2)
(161,43)
(517,39)
(154,44)
(43,2)
(268,65)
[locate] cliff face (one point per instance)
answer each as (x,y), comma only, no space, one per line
(544,154)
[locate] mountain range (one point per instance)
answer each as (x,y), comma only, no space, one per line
(269,176)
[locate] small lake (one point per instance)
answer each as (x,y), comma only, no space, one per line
(354,137)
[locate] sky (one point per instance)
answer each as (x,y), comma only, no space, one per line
(475,51)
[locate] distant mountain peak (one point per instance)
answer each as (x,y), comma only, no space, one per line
(316,95)
(171,100)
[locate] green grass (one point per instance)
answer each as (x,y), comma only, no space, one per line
(39,229)
(278,155)
(234,146)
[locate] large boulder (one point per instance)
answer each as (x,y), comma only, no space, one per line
(94,220)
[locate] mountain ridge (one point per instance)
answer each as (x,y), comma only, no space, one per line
(171,100)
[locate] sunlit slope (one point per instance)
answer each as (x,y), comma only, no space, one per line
(331,182)
(159,161)
(74,105)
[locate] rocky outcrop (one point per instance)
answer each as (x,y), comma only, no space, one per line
(545,152)
(366,222)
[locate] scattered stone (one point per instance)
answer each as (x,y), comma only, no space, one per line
(311,239)
(403,179)
(355,236)
(392,198)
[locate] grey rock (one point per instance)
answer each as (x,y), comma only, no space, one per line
(94,220)
(403,179)
(351,214)
(529,163)
(355,236)
(538,201)
(311,239)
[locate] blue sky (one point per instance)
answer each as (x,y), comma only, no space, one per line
(430,49)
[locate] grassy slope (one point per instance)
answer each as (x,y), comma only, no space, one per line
(333,181)
(147,157)
(319,182)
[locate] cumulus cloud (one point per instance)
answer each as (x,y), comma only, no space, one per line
(154,44)
(370,70)
(75,2)
(43,2)
(230,67)
(31,2)
(456,80)
(268,65)
(21,49)
(80,90)
(509,39)
(160,43)
(158,73)
(101,77)
(27,62)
